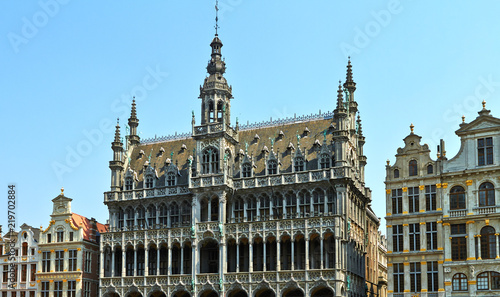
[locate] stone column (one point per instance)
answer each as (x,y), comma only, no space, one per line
(101,264)
(440,276)
(135,260)
(406,237)
(238,256)
(169,260)
(407,280)
(390,278)
(470,242)
(146,261)
(423,275)
(322,253)
(250,256)
(264,268)
(182,258)
(307,253)
(479,247)
(292,245)
(497,247)
(113,262)
(158,253)
(124,262)
(423,237)
(440,242)
(278,255)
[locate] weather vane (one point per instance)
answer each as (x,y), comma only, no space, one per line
(216,16)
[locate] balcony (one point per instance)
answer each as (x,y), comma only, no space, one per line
(485,210)
(214,128)
(145,193)
(289,178)
(208,181)
(457,213)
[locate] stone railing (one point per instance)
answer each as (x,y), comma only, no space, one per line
(213,278)
(284,224)
(146,193)
(458,213)
(208,181)
(290,178)
(116,235)
(485,210)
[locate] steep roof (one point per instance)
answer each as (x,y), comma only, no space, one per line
(85,223)
(311,131)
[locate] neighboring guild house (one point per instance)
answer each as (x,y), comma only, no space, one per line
(26,259)
(69,253)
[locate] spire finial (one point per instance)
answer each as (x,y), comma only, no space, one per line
(62,191)
(484,104)
(360,129)
(463,119)
(117,130)
(340,97)
(349,82)
(411,128)
(133,114)
(216,16)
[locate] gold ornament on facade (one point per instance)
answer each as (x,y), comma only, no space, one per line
(468,182)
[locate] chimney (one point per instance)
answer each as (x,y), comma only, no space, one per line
(92,230)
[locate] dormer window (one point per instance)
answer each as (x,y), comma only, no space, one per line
(324,161)
(430,169)
(412,168)
(485,151)
(210,161)
(299,164)
(128,184)
(396,173)
(272,167)
(170,179)
(246,170)
(149,182)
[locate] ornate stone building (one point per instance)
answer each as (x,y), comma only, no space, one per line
(271,209)
(442,215)
(68,254)
(25,244)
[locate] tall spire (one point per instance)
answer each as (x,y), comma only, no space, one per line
(216,16)
(360,129)
(349,82)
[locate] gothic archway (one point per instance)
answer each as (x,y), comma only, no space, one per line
(265,293)
(322,292)
(294,293)
(237,293)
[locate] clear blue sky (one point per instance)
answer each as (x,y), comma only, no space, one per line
(69,68)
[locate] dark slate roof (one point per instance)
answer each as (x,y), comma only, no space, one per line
(316,128)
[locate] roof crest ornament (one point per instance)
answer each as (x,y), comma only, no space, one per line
(216,16)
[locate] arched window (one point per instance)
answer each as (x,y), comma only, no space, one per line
(130,217)
(170,179)
(324,161)
(264,207)
(457,198)
(174,214)
(25,248)
(151,216)
(486,194)
(318,201)
(186,213)
(129,184)
(163,217)
(305,203)
(299,164)
(488,243)
(272,167)
(489,280)
(412,168)
(291,204)
(251,208)
(141,217)
(210,161)
(211,112)
(460,282)
(246,170)
(219,111)
(330,202)
(214,209)
(430,169)
(238,209)
(396,173)
(148,183)
(121,218)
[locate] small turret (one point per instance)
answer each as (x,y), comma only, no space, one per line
(116,165)
(133,122)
